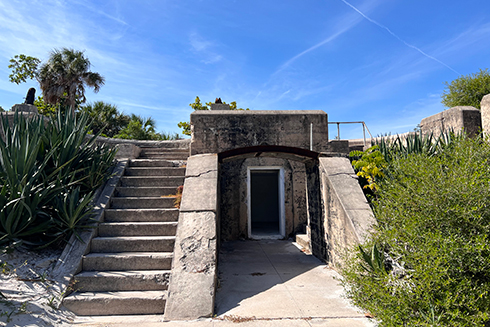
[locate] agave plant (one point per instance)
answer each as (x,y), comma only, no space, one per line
(48,172)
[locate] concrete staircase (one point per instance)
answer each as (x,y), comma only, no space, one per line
(128,268)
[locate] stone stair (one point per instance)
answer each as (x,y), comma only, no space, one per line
(128,267)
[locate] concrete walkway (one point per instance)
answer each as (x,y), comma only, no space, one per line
(266,283)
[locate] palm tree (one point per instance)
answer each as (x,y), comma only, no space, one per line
(64,77)
(105,117)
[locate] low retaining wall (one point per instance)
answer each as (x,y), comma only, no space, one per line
(348,216)
(131,149)
(192,285)
(457,119)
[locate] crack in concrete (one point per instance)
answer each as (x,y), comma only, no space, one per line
(203,173)
(349,174)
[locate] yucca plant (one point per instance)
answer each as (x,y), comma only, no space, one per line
(48,173)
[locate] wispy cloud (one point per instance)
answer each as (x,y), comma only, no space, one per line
(204,48)
(399,38)
(100,12)
(347,24)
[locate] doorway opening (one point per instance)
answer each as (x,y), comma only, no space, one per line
(266,217)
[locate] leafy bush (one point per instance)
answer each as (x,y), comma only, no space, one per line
(48,172)
(427,262)
(370,164)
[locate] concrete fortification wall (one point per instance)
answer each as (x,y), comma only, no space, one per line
(457,119)
(222,130)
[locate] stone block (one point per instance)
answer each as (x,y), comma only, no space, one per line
(485,113)
(218,131)
(24,108)
(220,106)
(127,151)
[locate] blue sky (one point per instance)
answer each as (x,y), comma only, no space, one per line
(380,61)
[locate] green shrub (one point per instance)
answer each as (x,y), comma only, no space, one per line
(427,262)
(47,168)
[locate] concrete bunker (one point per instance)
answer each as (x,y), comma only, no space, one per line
(236,156)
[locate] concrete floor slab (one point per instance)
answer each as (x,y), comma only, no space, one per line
(267,304)
(299,286)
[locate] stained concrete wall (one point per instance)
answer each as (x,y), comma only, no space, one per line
(234,202)
(192,286)
(348,216)
(456,119)
(218,131)
(485,113)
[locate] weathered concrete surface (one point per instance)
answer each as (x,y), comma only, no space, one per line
(194,267)
(457,119)
(127,151)
(70,261)
(316,212)
(24,108)
(485,113)
(233,186)
(200,188)
(275,280)
(218,131)
(220,106)
(348,216)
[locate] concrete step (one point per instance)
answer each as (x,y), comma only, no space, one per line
(114,215)
(138,229)
(154,163)
(145,191)
(303,241)
(116,303)
(136,280)
(133,244)
(154,171)
(127,261)
(167,156)
(151,181)
(142,202)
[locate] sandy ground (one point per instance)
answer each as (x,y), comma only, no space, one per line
(29,296)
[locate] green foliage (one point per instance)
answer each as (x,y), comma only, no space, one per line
(369,166)
(197,105)
(401,147)
(23,68)
(43,166)
(1,109)
(467,90)
(139,128)
(44,108)
(105,118)
(432,239)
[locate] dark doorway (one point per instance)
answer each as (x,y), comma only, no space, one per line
(264,196)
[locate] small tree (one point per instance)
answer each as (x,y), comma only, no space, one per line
(197,105)
(467,90)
